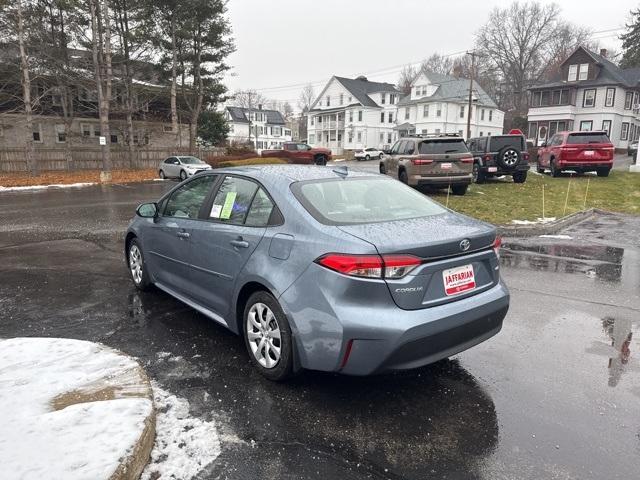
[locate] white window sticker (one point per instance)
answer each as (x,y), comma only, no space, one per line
(215,211)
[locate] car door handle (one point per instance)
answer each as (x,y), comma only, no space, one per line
(240,243)
(183,234)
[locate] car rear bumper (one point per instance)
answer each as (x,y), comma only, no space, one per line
(585,164)
(495,170)
(379,336)
(418,180)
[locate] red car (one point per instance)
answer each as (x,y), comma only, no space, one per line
(296,152)
(577,151)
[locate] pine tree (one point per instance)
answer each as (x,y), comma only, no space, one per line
(631,42)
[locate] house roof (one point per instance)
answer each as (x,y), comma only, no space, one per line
(609,74)
(405,126)
(361,88)
(239,115)
(451,89)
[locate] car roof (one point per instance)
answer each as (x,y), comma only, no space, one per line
(293,173)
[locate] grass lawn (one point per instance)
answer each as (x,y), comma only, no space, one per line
(501,201)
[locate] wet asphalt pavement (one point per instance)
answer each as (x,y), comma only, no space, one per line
(555,395)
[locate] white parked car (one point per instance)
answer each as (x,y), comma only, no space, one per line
(182,166)
(368,154)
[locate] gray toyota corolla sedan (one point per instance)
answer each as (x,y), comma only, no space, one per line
(322,268)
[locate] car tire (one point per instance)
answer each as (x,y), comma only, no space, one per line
(383,169)
(380,156)
(402,176)
(459,189)
(321,160)
(603,172)
(162,175)
(478,174)
(262,319)
(137,266)
(183,175)
(539,168)
(553,166)
(367,157)
(509,158)
(519,177)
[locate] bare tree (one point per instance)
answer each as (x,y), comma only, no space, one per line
(521,41)
(306,98)
(437,63)
(407,76)
(249,99)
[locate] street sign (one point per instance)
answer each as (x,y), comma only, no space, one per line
(103,140)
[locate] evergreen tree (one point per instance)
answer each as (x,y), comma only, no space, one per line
(631,42)
(212,128)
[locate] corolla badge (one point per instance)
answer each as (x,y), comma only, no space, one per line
(465,245)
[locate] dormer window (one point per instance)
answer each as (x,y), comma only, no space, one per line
(584,71)
(573,73)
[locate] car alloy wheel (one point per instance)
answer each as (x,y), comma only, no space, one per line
(367,157)
(510,158)
(162,175)
(380,156)
(135,264)
(183,175)
(264,336)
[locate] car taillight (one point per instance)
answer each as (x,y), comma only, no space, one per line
(497,243)
(466,160)
(487,158)
(370,266)
(525,156)
(421,161)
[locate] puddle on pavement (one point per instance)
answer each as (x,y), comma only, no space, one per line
(616,347)
(595,261)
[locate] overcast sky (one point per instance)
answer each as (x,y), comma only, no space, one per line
(284,44)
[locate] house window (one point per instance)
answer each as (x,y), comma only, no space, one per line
(584,71)
(392,98)
(61,134)
(535,99)
(350,115)
(87,95)
(460,132)
(328,101)
(461,111)
(390,117)
(388,138)
(341,99)
(438,110)
(425,111)
(350,98)
(437,131)
(169,128)
(276,131)
(359,137)
(56,98)
(635,100)
(359,115)
(628,100)
(312,138)
(564,97)
(86,129)
(383,98)
(114,138)
(351,138)
(610,98)
(37,132)
(406,113)
(312,120)
(533,130)
(606,126)
(624,133)
(482,114)
(586,126)
(573,73)
(381,117)
(481,134)
(491,115)
(589,99)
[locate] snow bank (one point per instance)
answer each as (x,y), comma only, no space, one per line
(184,445)
(538,221)
(559,237)
(40,187)
(69,409)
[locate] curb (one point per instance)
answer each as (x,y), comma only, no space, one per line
(550,228)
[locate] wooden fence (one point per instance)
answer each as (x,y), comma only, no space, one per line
(90,158)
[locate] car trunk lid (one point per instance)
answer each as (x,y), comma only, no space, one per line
(457,258)
(442,157)
(587,147)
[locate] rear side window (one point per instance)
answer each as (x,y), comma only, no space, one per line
(442,146)
(409,148)
(261,210)
(588,137)
(362,200)
(498,143)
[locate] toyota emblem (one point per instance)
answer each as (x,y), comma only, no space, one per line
(465,244)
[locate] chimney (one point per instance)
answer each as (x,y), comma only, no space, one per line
(603,52)
(259,106)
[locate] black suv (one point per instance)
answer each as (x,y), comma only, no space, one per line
(499,155)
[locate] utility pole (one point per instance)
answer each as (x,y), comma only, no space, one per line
(472,73)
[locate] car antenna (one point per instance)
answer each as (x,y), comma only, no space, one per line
(342,170)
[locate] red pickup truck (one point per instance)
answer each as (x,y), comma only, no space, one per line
(300,153)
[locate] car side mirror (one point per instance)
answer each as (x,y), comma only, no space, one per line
(147,210)
(309,147)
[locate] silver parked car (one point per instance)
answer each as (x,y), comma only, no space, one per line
(181,167)
(321,268)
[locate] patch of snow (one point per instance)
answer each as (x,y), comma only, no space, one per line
(538,221)
(185,445)
(559,237)
(78,441)
(40,187)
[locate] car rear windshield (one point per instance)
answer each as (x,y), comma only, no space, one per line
(442,146)
(499,142)
(362,200)
(588,137)
(191,160)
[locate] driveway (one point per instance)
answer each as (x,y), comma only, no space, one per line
(555,395)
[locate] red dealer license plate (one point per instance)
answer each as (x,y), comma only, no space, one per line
(458,280)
